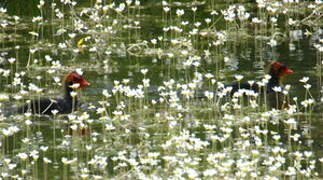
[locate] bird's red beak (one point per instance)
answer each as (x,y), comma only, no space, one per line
(288,71)
(84,83)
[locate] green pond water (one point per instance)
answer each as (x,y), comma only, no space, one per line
(120,46)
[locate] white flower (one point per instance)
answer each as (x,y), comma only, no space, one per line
(308,154)
(22,156)
(180,12)
(146,82)
(166,9)
(292,122)
(272,43)
(307,102)
(36,19)
(238,77)
(73,127)
(33,50)
(256,20)
(164,3)
(54,111)
(41,3)
(28,122)
(67,162)
(109,127)
(11,60)
(291,21)
(46,160)
(48,58)
(144,71)
(106,93)
(4,97)
(273,19)
(121,7)
(12,166)
(100,110)
(251,82)
(207,20)
(295,137)
(44,148)
(197,24)
(34,154)
(153,41)
(3,10)
(79,71)
(209,95)
(73,94)
(64,160)
(62,45)
(277,89)
(304,79)
(307,86)
(72,35)
(209,75)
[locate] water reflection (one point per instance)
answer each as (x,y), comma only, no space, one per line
(108,54)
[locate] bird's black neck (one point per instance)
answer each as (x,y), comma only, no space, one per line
(67,94)
(274,81)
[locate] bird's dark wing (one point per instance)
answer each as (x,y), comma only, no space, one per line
(41,106)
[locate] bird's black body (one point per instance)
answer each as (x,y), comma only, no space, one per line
(276,71)
(273,82)
(46,106)
(63,105)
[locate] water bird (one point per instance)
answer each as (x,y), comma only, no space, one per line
(276,71)
(272,88)
(64,105)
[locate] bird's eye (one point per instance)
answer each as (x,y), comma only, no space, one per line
(282,68)
(77,78)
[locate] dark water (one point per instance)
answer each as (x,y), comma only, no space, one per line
(297,52)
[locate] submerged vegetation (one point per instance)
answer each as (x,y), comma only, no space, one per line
(159,106)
